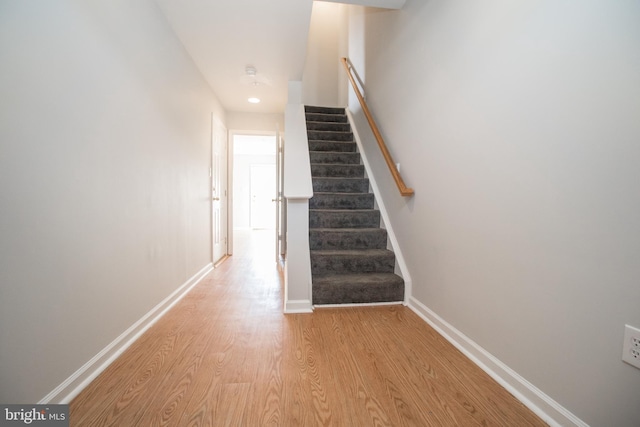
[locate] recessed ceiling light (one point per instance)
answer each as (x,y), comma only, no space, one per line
(253,100)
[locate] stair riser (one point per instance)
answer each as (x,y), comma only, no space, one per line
(345,147)
(329,136)
(349,264)
(320,239)
(340,185)
(341,201)
(346,219)
(347,171)
(329,126)
(327,293)
(323,110)
(334,158)
(327,118)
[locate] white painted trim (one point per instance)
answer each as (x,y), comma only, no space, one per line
(298,189)
(297,165)
(297,264)
(73,385)
(402,265)
(384,4)
(367,304)
(298,306)
(533,398)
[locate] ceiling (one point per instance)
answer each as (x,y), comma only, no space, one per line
(224,37)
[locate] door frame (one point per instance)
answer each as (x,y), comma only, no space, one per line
(230,171)
(219,134)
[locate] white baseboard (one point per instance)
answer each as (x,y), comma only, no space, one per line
(366,304)
(298,306)
(73,385)
(542,405)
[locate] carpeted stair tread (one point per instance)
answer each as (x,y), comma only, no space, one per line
(323,145)
(357,288)
(323,110)
(341,201)
(342,185)
(319,135)
(350,158)
(344,218)
(326,118)
(347,238)
(337,170)
(352,261)
(329,126)
(354,252)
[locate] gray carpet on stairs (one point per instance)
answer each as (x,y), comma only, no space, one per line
(350,262)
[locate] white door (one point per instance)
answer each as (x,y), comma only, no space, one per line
(219,189)
(263,196)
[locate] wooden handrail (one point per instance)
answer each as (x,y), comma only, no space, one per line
(404,190)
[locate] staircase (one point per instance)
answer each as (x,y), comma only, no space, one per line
(350,262)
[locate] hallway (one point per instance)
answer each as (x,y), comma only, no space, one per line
(226,355)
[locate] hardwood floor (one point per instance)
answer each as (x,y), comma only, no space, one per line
(225,355)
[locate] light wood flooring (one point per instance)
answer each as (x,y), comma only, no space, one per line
(225,355)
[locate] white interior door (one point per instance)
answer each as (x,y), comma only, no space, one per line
(219,190)
(263,196)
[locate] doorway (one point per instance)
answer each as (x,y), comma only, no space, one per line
(254,185)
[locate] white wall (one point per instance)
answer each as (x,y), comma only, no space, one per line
(255,122)
(517,126)
(322,66)
(343,52)
(105,128)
